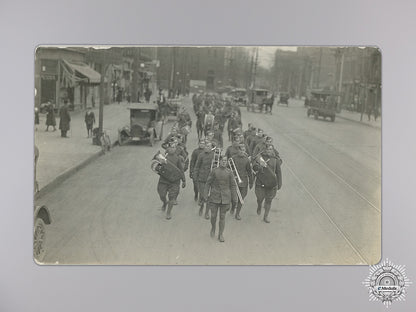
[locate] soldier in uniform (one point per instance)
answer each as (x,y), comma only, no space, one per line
(218,135)
(256,140)
(171,174)
(194,157)
(268,179)
(245,172)
(221,188)
(201,172)
(234,148)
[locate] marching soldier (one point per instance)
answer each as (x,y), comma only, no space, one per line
(218,135)
(256,140)
(201,172)
(249,135)
(234,148)
(221,188)
(245,172)
(171,173)
(194,158)
(268,179)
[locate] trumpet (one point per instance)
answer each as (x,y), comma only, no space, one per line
(215,163)
(234,170)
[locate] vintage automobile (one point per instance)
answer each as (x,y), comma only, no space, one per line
(322,104)
(145,124)
(239,96)
(284,98)
(41,217)
(257,99)
(172,108)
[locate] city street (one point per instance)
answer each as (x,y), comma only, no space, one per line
(328,210)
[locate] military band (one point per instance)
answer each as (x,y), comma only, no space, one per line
(221,177)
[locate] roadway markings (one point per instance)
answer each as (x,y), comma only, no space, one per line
(327,215)
(334,173)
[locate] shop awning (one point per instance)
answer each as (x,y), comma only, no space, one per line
(85,71)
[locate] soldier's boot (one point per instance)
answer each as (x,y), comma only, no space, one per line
(164,205)
(232,208)
(266,212)
(196,196)
(207,212)
(259,207)
(168,214)
(201,209)
(221,230)
(237,214)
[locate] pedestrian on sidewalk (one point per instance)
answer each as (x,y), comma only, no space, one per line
(50,117)
(65,120)
(36,118)
(89,121)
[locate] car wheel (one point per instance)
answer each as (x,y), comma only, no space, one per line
(332,118)
(39,239)
(122,139)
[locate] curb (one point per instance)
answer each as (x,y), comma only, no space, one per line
(357,121)
(68,173)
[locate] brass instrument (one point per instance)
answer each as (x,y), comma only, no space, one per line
(157,162)
(237,179)
(215,163)
(233,168)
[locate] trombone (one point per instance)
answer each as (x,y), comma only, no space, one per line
(237,179)
(215,163)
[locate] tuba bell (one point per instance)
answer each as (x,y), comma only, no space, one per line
(157,161)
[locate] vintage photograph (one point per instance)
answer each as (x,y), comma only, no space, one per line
(207,155)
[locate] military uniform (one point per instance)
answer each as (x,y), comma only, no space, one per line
(261,147)
(254,142)
(233,149)
(169,183)
(202,170)
(192,164)
(222,192)
(268,181)
(243,166)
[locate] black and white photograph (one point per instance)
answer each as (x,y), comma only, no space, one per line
(207,155)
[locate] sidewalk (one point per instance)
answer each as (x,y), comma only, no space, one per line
(60,157)
(355,116)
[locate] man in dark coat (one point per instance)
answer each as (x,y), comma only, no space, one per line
(169,184)
(221,188)
(245,172)
(64,121)
(50,117)
(192,164)
(89,121)
(268,180)
(201,172)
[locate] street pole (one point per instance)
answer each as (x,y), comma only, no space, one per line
(340,80)
(101,107)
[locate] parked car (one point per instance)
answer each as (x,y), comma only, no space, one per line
(145,124)
(239,96)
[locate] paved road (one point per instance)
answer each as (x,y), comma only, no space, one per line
(328,211)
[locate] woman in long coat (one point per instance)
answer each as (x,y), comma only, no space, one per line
(50,118)
(64,121)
